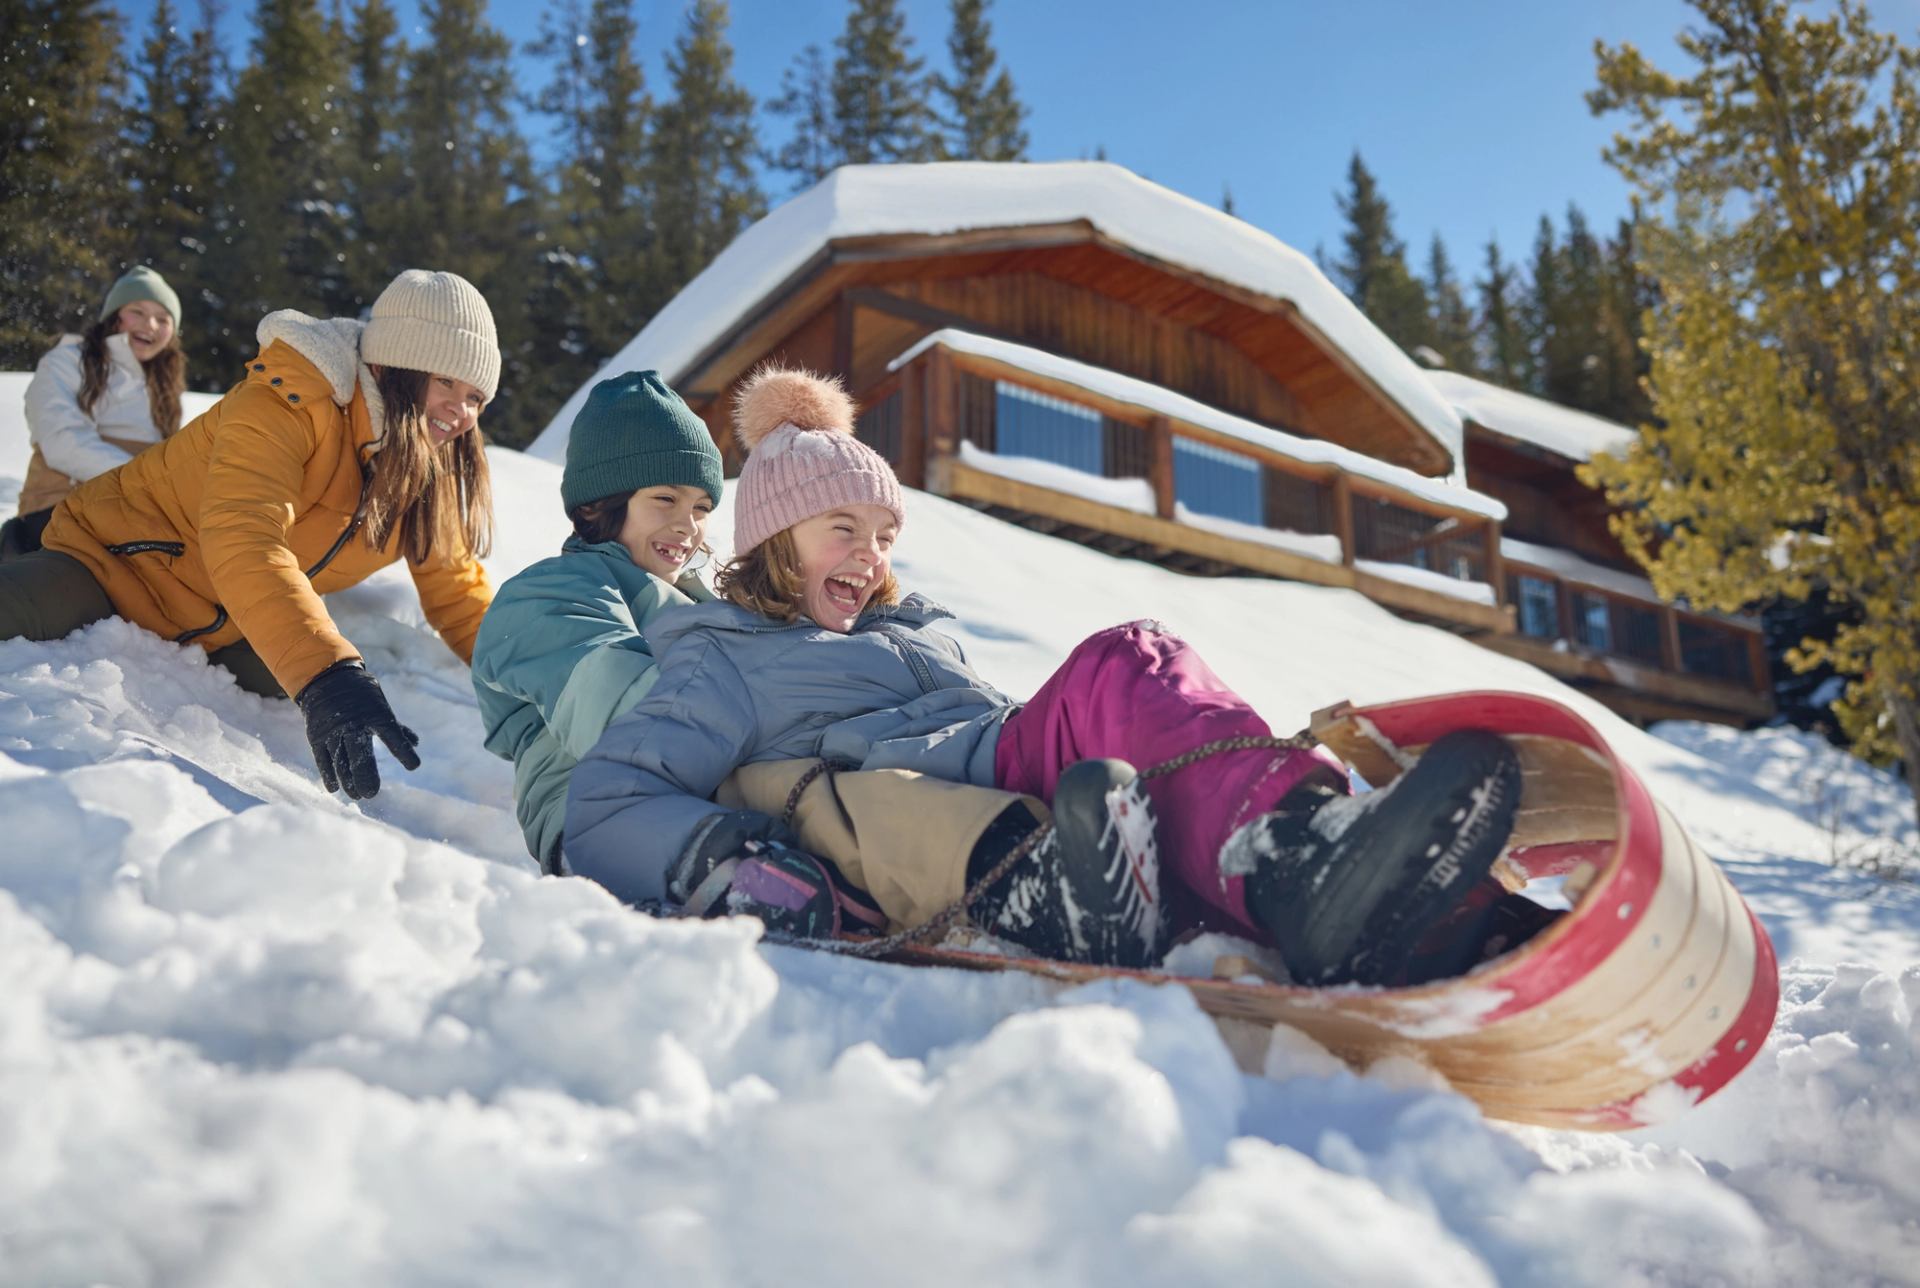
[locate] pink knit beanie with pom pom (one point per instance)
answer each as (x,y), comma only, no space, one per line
(802,457)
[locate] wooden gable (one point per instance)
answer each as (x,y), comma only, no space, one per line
(1066,289)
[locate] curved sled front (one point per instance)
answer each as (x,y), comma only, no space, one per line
(1654,991)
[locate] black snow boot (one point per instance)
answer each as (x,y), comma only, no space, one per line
(1090,891)
(1347,886)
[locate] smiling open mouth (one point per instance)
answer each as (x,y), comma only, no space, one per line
(846,593)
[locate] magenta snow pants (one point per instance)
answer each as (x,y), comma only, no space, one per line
(1140,693)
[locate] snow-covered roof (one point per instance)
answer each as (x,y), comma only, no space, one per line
(1576,435)
(960,196)
(1157,399)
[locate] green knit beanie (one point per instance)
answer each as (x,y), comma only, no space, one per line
(141,283)
(635,432)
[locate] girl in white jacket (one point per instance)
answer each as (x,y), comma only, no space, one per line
(97,399)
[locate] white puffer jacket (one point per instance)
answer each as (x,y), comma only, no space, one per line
(81,444)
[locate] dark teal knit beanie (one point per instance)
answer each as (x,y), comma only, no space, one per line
(635,432)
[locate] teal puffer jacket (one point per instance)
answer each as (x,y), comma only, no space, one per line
(559,655)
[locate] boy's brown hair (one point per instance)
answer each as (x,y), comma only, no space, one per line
(766,580)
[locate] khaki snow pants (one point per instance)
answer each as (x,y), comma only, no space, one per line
(902,837)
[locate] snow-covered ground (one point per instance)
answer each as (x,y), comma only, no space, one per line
(251,1033)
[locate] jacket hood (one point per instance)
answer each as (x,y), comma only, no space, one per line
(915,610)
(332,345)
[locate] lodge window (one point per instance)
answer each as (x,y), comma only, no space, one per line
(1639,632)
(1713,651)
(1046,428)
(1538,603)
(1296,504)
(1209,480)
(1592,624)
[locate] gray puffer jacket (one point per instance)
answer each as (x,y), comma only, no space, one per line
(735,688)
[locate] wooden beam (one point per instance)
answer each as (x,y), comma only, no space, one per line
(843,338)
(942,413)
(1622,685)
(1160,471)
(1343,516)
(913,425)
(1496,570)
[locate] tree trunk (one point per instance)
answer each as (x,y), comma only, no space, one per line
(1906,729)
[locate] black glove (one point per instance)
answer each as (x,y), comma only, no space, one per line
(345,710)
(750,864)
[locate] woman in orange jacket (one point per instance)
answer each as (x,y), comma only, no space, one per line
(347,446)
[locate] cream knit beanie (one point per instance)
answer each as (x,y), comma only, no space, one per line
(434,322)
(802,457)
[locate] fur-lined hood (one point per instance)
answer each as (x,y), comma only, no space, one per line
(332,345)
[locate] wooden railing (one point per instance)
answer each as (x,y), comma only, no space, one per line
(1566,611)
(921,414)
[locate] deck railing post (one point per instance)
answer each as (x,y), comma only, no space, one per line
(1343,524)
(913,425)
(1669,639)
(1160,468)
(1496,568)
(942,414)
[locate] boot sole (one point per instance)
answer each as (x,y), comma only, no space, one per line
(1473,786)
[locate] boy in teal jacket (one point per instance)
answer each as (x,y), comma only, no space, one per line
(562,650)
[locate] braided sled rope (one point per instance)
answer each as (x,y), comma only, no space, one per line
(1302,741)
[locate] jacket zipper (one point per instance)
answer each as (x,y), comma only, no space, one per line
(175,548)
(919,666)
(339,542)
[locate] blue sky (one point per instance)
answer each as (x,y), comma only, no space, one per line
(1471,114)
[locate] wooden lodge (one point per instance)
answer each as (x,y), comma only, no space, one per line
(1079,351)
(1583,610)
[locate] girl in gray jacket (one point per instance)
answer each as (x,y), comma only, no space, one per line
(811,651)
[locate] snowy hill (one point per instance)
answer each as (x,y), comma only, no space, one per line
(254,1034)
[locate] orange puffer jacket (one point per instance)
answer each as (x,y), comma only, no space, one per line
(235,526)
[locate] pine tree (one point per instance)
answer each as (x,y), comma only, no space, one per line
(283,227)
(174,166)
(1784,457)
(1373,263)
(806,99)
(373,163)
(1502,330)
(1451,326)
(984,120)
(700,163)
(880,111)
(1544,312)
(1626,295)
(473,207)
(601,230)
(61,202)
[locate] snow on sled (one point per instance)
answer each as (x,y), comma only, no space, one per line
(1648,996)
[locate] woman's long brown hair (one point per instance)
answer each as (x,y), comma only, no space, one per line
(433,496)
(166,373)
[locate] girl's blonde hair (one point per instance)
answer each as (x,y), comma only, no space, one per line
(166,373)
(767,580)
(431,495)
